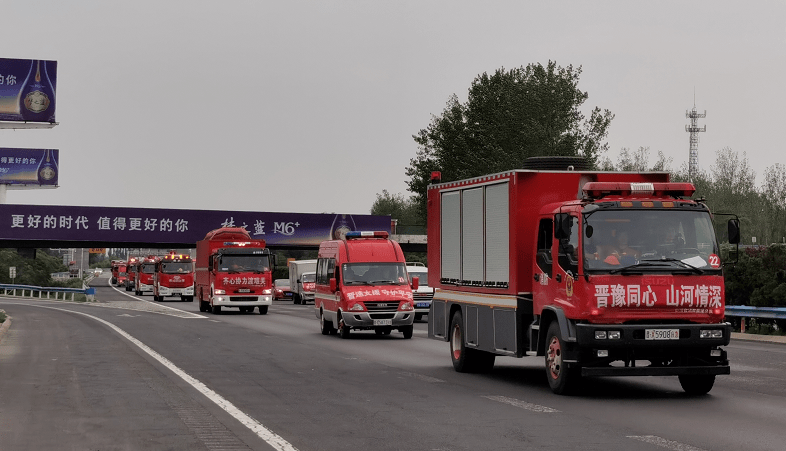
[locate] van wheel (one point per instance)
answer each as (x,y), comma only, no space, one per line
(343,329)
(467,360)
(407,331)
(562,379)
(262,309)
(325,326)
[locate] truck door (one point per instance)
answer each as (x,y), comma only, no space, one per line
(544,288)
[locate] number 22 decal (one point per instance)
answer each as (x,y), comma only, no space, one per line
(714,261)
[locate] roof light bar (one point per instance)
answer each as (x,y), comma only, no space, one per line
(597,190)
(366,234)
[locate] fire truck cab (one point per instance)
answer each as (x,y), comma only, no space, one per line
(174,276)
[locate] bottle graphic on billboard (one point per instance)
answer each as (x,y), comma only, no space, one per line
(341,225)
(47,170)
(37,98)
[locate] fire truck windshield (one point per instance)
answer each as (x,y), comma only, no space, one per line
(652,240)
(176,267)
(374,274)
(148,268)
(244,263)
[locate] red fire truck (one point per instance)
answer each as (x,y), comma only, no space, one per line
(115,268)
(174,276)
(362,284)
(145,275)
(603,274)
(131,268)
(233,270)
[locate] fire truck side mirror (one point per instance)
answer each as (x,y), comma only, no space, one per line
(734,231)
(415,283)
(333,285)
(562,225)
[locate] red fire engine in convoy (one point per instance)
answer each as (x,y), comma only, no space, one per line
(131,267)
(233,270)
(145,275)
(603,274)
(174,276)
(119,274)
(362,284)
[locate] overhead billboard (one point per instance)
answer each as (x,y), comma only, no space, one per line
(145,226)
(25,168)
(27,90)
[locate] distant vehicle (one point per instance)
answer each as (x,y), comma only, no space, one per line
(309,286)
(174,276)
(281,290)
(145,272)
(296,270)
(424,293)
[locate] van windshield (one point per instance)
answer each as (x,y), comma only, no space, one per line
(374,274)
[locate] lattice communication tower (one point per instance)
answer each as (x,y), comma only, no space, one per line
(694,129)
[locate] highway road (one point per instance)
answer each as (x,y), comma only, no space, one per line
(127,373)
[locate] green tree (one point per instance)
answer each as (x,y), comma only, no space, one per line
(509,116)
(405,211)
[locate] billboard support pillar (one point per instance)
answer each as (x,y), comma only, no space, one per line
(3,190)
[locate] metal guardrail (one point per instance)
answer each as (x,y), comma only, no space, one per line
(746,311)
(60,293)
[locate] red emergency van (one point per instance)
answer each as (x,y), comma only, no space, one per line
(362,284)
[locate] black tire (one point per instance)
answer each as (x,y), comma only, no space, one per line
(562,380)
(216,309)
(418,317)
(697,385)
(466,360)
(343,329)
(262,309)
(407,331)
(325,326)
(204,306)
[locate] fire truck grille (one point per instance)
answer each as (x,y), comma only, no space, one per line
(243,298)
(421,297)
(178,284)
(381,306)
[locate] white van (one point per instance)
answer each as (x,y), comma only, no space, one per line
(423,295)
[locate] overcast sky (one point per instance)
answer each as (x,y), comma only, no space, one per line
(311,106)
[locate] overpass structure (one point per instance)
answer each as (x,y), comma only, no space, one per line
(57,226)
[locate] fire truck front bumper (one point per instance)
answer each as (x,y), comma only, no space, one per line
(143,287)
(184,291)
(366,320)
(242,301)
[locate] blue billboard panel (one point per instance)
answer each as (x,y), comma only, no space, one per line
(162,226)
(29,166)
(27,90)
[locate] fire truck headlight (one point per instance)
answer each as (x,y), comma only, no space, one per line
(219,292)
(614,335)
(711,333)
(356,307)
(600,334)
(267,291)
(406,306)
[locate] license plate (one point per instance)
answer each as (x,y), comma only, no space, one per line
(244,290)
(662,334)
(422,305)
(383,322)
(288,294)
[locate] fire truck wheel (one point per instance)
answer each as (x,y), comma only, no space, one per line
(697,385)
(562,380)
(216,309)
(343,329)
(466,360)
(204,306)
(262,309)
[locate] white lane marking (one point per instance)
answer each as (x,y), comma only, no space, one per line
(422,377)
(272,439)
(109,284)
(662,442)
(522,404)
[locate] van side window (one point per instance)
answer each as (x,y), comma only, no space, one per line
(543,257)
(322,271)
(332,271)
